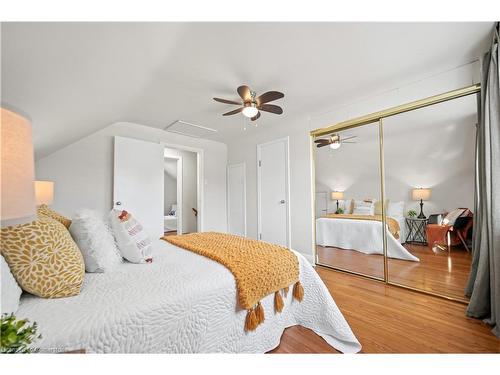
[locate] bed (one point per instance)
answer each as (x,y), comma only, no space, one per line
(361,235)
(170,223)
(180,303)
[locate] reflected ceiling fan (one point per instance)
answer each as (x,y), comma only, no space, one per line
(251,105)
(334,141)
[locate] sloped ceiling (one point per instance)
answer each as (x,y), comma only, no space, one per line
(75,78)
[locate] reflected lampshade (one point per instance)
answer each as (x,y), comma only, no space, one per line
(17,170)
(44,191)
(421,194)
(336,195)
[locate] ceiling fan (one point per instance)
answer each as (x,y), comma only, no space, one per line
(334,141)
(251,105)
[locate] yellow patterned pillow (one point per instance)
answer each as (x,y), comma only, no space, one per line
(43,258)
(44,210)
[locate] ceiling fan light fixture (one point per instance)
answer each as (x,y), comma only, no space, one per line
(250,110)
(335,145)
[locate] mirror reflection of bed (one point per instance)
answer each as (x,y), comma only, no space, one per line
(429,175)
(343,238)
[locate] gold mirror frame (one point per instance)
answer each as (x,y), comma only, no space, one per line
(377,117)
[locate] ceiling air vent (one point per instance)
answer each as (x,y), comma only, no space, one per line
(189,129)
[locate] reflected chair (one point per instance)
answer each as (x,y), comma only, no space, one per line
(447,234)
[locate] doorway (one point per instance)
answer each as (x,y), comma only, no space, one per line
(273,191)
(236,199)
(181,191)
(172,174)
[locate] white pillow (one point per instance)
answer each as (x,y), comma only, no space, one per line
(10,290)
(363,208)
(396,209)
(95,241)
(133,241)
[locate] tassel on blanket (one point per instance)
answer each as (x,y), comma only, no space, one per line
(298,291)
(285,291)
(278,302)
(259,313)
(251,322)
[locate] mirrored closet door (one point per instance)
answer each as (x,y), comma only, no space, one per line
(429,186)
(348,217)
(410,170)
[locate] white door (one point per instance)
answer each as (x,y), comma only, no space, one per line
(236,199)
(321,204)
(138,182)
(273,192)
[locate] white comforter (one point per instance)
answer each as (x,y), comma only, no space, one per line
(181,303)
(364,236)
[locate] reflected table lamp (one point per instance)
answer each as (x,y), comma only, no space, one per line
(421,194)
(18,170)
(336,195)
(44,191)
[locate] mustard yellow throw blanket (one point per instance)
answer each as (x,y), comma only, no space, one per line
(391,222)
(260,268)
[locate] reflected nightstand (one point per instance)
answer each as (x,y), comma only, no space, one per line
(416,230)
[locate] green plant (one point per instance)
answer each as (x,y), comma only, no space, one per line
(412,213)
(340,211)
(17,335)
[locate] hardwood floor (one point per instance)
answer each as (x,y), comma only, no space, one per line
(438,271)
(388,319)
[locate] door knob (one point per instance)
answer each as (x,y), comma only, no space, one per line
(118,203)
(282,201)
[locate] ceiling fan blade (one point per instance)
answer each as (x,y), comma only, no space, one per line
(233,112)
(225,101)
(322,141)
(244,93)
(351,137)
(271,108)
(322,145)
(255,117)
(269,97)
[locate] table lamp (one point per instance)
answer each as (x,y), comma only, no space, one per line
(421,194)
(336,195)
(17,170)
(44,192)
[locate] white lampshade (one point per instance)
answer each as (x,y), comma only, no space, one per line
(334,195)
(17,170)
(44,192)
(421,193)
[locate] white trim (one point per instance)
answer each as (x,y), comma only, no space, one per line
(287,188)
(199,181)
(244,193)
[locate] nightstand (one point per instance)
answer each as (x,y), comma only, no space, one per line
(416,231)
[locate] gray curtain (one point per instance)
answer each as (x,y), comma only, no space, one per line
(483,286)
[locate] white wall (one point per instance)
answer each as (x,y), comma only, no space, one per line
(189,187)
(244,148)
(83,171)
